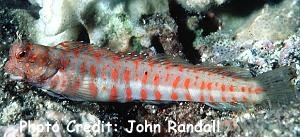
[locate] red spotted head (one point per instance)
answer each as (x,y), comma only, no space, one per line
(29,62)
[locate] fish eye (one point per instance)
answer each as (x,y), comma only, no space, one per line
(21,54)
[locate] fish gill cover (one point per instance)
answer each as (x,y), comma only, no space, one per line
(249,36)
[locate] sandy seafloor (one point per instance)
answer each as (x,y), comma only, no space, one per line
(271,45)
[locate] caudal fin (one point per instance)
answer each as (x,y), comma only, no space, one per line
(277,84)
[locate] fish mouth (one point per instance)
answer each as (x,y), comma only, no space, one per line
(14,75)
(14,72)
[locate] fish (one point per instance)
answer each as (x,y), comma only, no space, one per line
(83,72)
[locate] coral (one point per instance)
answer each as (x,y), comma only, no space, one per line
(107,23)
(199,5)
(114,24)
(137,8)
(34,30)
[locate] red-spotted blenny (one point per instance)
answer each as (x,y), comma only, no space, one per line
(81,71)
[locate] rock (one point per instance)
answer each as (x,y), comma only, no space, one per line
(11,113)
(272,22)
(11,131)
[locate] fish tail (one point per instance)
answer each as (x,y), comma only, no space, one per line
(277,84)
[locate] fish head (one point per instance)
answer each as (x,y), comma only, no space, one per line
(27,62)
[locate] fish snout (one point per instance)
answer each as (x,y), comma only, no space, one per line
(8,67)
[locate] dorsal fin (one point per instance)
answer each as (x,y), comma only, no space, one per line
(167,59)
(85,48)
(72,45)
(227,71)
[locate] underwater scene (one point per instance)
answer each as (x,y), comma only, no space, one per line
(118,68)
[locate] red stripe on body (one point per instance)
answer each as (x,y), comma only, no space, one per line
(231,88)
(115,59)
(113,93)
(223,98)
(202,99)
(136,64)
(157,95)
(156,80)
(127,76)
(174,96)
(176,81)
(96,53)
(143,94)
(82,68)
(180,68)
(103,75)
(128,94)
(151,64)
(65,64)
(145,77)
(93,71)
(243,89)
(97,56)
(186,86)
(187,83)
(202,87)
(249,89)
(167,77)
(188,96)
(211,98)
(258,90)
(76,85)
(223,87)
(77,51)
(114,74)
(167,67)
(209,85)
(93,89)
